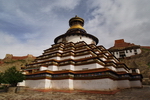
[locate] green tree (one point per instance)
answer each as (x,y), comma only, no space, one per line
(1,77)
(12,76)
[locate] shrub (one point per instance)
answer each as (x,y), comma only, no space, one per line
(1,77)
(12,76)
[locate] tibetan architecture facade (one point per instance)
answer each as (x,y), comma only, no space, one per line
(123,49)
(75,62)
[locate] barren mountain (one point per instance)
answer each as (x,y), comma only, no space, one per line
(141,61)
(17,61)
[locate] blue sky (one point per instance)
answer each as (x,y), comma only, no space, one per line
(29,27)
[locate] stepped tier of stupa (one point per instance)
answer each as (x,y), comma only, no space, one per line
(75,62)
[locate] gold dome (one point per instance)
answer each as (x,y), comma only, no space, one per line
(76,23)
(76,29)
(76,19)
(76,26)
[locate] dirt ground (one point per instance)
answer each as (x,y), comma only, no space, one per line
(126,94)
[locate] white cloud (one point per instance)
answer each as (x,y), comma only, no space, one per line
(60,4)
(115,19)
(40,21)
(11,45)
(7,39)
(29,27)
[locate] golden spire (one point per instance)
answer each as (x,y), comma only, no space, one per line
(76,26)
(76,22)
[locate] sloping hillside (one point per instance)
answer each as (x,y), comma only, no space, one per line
(18,62)
(141,61)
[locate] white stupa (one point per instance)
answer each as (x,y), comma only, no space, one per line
(75,62)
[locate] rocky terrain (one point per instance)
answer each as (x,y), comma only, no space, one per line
(126,94)
(17,61)
(141,61)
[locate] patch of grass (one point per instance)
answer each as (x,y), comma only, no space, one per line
(10,62)
(148,64)
(2,87)
(145,49)
(23,61)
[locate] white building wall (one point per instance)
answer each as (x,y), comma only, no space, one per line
(39,84)
(139,51)
(60,40)
(130,71)
(128,53)
(69,84)
(56,58)
(112,68)
(72,67)
(123,84)
(78,38)
(89,66)
(54,52)
(83,56)
(21,83)
(67,57)
(137,71)
(103,59)
(99,66)
(136,83)
(66,67)
(62,84)
(52,68)
(114,60)
(43,68)
(77,57)
(98,84)
(48,84)
(116,54)
(121,69)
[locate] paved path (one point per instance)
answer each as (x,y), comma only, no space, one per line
(126,94)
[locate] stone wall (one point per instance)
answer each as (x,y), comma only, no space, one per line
(146,81)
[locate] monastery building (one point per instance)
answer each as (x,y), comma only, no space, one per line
(75,62)
(123,49)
